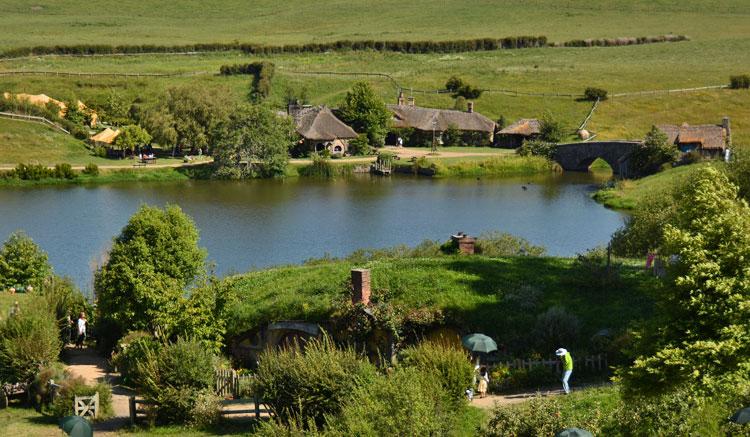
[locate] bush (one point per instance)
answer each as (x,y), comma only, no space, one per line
(72,387)
(132,349)
(29,342)
(556,328)
(360,146)
(551,130)
(594,94)
(313,384)
(451,367)
(667,414)
(597,267)
(91,169)
(741,81)
(495,244)
(64,171)
(539,417)
(39,393)
(178,376)
(407,402)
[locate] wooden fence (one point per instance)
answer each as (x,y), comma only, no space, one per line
(33,119)
(90,74)
(253,407)
(227,382)
(593,362)
(86,406)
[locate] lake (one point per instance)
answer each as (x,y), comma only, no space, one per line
(246,225)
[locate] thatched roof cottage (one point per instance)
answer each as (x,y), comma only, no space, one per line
(709,139)
(320,129)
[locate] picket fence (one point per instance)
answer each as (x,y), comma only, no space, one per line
(592,362)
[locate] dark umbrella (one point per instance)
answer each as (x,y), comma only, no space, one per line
(479,343)
(574,432)
(76,426)
(742,416)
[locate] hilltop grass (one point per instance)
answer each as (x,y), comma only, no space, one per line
(470,291)
(627,194)
(298,21)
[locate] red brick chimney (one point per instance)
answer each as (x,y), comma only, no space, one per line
(361,286)
(469,107)
(464,242)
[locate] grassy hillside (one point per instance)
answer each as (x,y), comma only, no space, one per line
(188,21)
(22,141)
(627,194)
(498,296)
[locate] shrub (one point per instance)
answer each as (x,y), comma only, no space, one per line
(33,172)
(22,262)
(39,393)
(538,417)
(555,328)
(594,94)
(132,349)
(451,366)
(64,171)
(312,384)
(409,401)
(91,169)
(70,388)
(321,167)
(495,244)
(360,146)
(551,130)
(29,342)
(667,414)
(655,151)
(597,267)
(741,81)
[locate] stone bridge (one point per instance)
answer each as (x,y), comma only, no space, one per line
(579,156)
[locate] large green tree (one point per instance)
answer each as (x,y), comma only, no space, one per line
(366,112)
(655,151)
(22,262)
(132,136)
(700,336)
(256,135)
(145,284)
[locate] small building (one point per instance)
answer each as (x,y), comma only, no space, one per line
(708,139)
(513,136)
(320,129)
(475,127)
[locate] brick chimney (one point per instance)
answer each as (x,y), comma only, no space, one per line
(728,129)
(470,107)
(465,243)
(411,100)
(400,100)
(361,286)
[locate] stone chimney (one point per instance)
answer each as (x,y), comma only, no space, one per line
(411,100)
(469,107)
(401,100)
(465,243)
(728,129)
(361,286)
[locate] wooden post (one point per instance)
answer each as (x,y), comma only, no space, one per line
(131,405)
(256,401)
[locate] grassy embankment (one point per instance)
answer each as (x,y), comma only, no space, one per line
(626,194)
(476,293)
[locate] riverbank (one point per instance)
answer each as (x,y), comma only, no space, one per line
(626,194)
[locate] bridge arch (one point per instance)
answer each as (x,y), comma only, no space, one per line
(580,156)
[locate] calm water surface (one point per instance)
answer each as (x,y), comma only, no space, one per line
(262,223)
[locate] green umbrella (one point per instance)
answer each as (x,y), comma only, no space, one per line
(76,426)
(742,416)
(574,432)
(479,343)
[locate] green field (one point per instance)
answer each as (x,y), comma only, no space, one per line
(44,22)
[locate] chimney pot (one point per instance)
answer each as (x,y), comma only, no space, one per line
(725,123)
(411,100)
(361,286)
(400,100)
(470,107)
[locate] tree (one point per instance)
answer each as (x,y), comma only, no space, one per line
(550,129)
(655,152)
(360,146)
(459,88)
(366,113)
(161,124)
(22,262)
(151,266)
(460,103)
(257,135)
(116,109)
(130,137)
(700,336)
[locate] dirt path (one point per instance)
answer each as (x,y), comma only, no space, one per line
(93,368)
(490,401)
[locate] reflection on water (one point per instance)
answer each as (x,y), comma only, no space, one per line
(261,223)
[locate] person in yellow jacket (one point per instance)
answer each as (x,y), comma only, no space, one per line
(567,365)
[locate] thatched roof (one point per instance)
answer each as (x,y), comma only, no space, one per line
(709,136)
(106,136)
(318,123)
(525,126)
(417,117)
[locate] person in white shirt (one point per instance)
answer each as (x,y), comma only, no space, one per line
(81,330)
